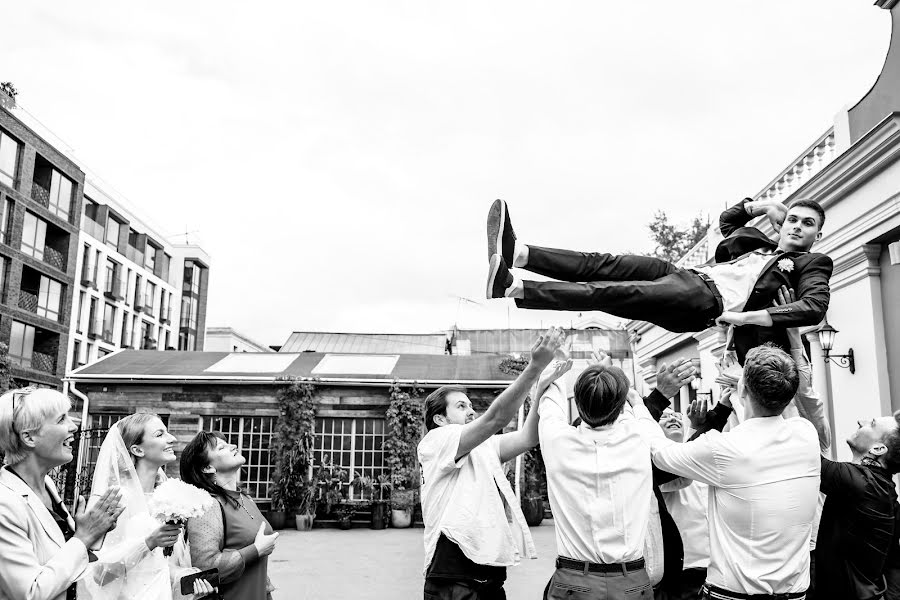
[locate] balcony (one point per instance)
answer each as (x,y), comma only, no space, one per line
(95,330)
(43,362)
(147,307)
(165,316)
(40,194)
(93,229)
(115,288)
(54,258)
(134,255)
(185,322)
(28,301)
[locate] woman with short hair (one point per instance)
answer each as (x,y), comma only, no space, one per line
(43,550)
(233,537)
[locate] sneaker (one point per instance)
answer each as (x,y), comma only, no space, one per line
(500,234)
(499,278)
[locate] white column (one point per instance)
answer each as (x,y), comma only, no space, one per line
(822,382)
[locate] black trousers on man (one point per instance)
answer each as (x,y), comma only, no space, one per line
(452,576)
(632,287)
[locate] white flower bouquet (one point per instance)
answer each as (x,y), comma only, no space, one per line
(174,501)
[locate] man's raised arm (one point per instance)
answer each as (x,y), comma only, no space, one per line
(504,407)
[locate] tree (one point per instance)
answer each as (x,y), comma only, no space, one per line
(6,380)
(673,241)
(8,94)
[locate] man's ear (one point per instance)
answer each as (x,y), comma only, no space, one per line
(440,420)
(878,449)
(819,235)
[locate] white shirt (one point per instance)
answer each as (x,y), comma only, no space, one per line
(735,279)
(764,486)
(599,482)
(688,507)
(462,500)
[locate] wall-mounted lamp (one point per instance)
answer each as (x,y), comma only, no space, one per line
(826,338)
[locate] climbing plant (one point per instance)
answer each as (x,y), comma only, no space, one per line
(405,420)
(292,448)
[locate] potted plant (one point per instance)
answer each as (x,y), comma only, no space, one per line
(344,513)
(292,445)
(331,483)
(374,489)
(405,423)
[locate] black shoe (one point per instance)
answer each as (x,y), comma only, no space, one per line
(499,278)
(500,234)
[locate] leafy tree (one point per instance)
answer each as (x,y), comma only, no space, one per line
(673,241)
(8,94)
(6,379)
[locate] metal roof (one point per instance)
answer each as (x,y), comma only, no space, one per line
(244,367)
(365,343)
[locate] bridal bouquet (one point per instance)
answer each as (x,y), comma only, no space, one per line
(174,501)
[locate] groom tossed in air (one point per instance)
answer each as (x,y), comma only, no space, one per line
(738,289)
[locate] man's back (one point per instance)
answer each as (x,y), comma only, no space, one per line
(856,530)
(764,481)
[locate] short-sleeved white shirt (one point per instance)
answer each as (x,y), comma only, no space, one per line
(462,500)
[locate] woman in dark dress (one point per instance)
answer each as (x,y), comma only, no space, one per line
(232,536)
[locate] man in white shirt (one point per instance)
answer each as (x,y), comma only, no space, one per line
(600,484)
(764,480)
(469,540)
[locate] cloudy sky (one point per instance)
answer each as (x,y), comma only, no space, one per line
(338,158)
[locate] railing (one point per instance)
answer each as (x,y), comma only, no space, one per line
(43,362)
(28,301)
(40,195)
(134,255)
(54,258)
(805,167)
(94,229)
(186,322)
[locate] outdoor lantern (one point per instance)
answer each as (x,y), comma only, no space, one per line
(826,338)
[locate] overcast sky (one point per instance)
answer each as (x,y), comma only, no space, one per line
(339,158)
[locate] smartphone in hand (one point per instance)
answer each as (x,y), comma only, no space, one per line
(187,582)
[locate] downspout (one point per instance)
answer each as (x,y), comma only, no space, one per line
(82,439)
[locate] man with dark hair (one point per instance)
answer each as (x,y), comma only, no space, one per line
(739,289)
(465,495)
(858,525)
(764,481)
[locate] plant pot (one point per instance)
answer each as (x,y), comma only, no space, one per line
(533,508)
(379,515)
(277,519)
(401,517)
(304,522)
(345,522)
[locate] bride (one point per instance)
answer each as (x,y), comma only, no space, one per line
(130,563)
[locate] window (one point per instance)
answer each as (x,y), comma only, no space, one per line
(9,159)
(150,258)
(109,321)
(6,221)
(80,312)
(21,344)
(252,436)
(92,317)
(60,195)
(112,232)
(146,334)
(356,445)
(126,331)
(137,289)
(4,277)
(113,285)
(149,293)
(49,298)
(34,235)
(76,355)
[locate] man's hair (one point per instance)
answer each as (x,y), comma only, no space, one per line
(600,394)
(803,202)
(891,458)
(770,377)
(436,403)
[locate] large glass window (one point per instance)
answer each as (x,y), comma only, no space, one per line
(113,285)
(79,313)
(109,321)
(60,194)
(150,258)
(76,354)
(6,221)
(34,235)
(252,436)
(354,444)
(49,298)
(126,330)
(149,294)
(21,344)
(112,232)
(9,159)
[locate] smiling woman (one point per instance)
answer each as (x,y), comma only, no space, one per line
(43,548)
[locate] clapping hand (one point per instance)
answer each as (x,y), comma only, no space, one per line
(91,525)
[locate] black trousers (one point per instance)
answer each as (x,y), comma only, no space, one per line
(632,287)
(687,587)
(452,576)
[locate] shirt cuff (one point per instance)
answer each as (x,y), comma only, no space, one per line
(249,554)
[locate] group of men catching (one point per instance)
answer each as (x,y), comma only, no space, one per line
(642,509)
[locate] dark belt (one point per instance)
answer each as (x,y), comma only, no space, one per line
(715,292)
(717,593)
(588,567)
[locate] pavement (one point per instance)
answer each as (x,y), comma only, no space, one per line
(363,564)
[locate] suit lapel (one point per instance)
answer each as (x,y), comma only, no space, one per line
(760,281)
(35,505)
(51,489)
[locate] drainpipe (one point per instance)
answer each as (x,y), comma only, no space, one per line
(82,439)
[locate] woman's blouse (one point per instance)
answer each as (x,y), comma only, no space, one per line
(223,538)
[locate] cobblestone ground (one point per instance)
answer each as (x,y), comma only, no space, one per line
(329,564)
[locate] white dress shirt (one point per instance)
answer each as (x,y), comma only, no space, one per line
(764,485)
(465,499)
(735,279)
(599,482)
(688,505)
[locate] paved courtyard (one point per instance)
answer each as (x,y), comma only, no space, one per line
(324,564)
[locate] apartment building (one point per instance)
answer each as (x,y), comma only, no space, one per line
(40,207)
(134,288)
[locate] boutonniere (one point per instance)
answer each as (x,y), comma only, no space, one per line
(786,265)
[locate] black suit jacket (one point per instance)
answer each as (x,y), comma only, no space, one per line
(808,275)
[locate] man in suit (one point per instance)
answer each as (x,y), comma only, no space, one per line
(738,289)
